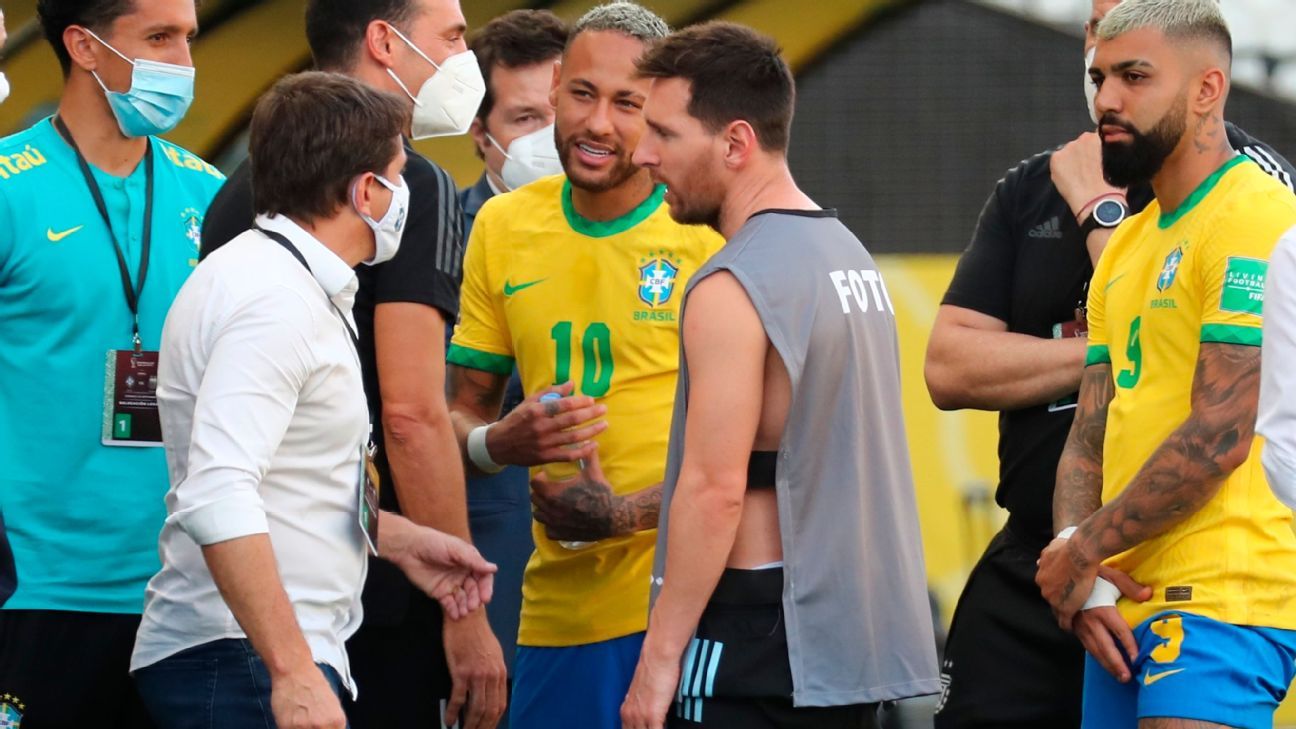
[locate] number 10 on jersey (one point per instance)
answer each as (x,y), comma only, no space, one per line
(596,352)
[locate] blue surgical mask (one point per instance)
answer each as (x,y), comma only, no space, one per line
(158,98)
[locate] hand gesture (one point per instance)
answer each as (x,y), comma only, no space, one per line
(479,678)
(1077,173)
(581,509)
(650,694)
(557,431)
(449,570)
(1065,578)
(1102,629)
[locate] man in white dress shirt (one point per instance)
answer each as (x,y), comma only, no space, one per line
(266,431)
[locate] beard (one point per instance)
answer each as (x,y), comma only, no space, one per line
(1138,161)
(621,170)
(695,212)
(700,203)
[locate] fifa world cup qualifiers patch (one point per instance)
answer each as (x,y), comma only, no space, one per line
(1181,593)
(1244,282)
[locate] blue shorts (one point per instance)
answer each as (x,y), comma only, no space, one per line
(577,686)
(1190,667)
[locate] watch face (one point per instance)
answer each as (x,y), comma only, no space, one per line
(1109,213)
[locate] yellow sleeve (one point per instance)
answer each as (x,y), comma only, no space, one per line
(481,339)
(1231,269)
(1096,309)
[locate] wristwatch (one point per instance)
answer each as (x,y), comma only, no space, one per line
(1108,213)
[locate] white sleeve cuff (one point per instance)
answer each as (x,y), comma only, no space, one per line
(239,514)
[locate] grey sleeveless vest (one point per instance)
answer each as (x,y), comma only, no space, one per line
(854,588)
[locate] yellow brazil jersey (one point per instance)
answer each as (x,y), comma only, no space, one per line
(1165,284)
(596,303)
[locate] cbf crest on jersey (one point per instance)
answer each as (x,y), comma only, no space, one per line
(1169,270)
(11,710)
(657,274)
(191,219)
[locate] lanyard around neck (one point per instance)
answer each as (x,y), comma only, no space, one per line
(132,292)
(282,240)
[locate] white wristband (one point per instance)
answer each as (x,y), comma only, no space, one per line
(477,452)
(1104,594)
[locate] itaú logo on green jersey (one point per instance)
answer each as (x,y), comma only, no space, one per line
(19,162)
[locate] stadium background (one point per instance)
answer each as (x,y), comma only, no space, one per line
(908,112)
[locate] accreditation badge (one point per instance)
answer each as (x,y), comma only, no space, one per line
(130,412)
(369,485)
(1078,327)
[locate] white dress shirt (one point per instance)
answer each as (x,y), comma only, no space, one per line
(264,421)
(1276,421)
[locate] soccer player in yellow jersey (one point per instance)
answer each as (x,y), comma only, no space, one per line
(1161,476)
(577,279)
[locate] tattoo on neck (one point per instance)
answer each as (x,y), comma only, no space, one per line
(1209,135)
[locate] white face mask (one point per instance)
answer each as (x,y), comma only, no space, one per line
(4,87)
(1091,89)
(529,157)
(387,232)
(447,102)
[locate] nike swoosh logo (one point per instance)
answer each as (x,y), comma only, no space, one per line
(56,237)
(1150,678)
(510,290)
(1112,282)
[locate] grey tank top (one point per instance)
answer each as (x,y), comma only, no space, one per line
(854,588)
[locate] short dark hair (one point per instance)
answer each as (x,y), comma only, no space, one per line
(56,15)
(515,39)
(335,28)
(312,134)
(733,73)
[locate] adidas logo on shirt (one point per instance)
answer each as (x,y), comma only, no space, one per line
(1048,229)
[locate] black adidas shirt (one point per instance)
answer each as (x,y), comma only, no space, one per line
(1027,266)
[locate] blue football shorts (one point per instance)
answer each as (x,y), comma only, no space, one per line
(1191,667)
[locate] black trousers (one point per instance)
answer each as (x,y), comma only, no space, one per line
(1007,663)
(69,670)
(397,656)
(736,673)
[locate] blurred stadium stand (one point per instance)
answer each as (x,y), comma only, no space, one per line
(907,123)
(909,109)
(1264,49)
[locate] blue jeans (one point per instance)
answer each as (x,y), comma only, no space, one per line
(218,685)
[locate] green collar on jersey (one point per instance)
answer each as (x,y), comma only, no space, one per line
(605,228)
(1200,193)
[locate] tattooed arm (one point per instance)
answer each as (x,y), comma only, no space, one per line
(587,510)
(1063,579)
(1078,492)
(1187,470)
(1178,478)
(534,433)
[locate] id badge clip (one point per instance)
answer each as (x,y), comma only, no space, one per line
(369,491)
(130,412)
(1076,328)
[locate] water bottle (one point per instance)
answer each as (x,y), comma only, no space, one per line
(558,472)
